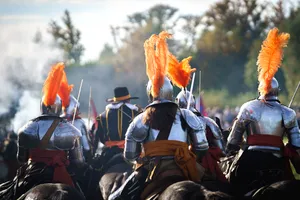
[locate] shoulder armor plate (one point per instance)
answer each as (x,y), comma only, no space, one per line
(289,117)
(192,120)
(137,129)
(28,134)
(29,128)
(213,127)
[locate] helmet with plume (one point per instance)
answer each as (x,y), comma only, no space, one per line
(159,87)
(69,102)
(51,103)
(180,75)
(268,62)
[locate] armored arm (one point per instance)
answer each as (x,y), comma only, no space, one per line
(27,138)
(197,133)
(135,135)
(87,152)
(22,154)
(76,155)
(292,130)
(217,137)
(235,137)
(84,138)
(291,126)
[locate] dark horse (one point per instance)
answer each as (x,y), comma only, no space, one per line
(289,189)
(114,170)
(52,191)
(188,190)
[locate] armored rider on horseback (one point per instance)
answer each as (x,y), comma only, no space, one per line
(214,137)
(47,145)
(70,105)
(163,131)
(263,123)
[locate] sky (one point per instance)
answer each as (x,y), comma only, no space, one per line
(20,20)
(26,62)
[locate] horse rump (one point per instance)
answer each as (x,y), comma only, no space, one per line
(52,191)
(189,190)
(288,189)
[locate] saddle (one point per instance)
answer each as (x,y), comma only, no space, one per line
(165,174)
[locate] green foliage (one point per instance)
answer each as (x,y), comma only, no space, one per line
(67,38)
(231,26)
(251,67)
(291,60)
(222,98)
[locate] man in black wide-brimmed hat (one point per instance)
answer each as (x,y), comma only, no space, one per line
(114,121)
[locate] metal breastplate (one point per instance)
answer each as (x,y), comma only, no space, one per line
(63,137)
(80,125)
(177,133)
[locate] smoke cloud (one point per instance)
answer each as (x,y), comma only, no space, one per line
(24,65)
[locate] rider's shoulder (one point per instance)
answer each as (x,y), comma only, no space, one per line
(137,129)
(101,116)
(30,127)
(65,127)
(249,104)
(248,109)
(192,120)
(287,110)
(289,116)
(215,129)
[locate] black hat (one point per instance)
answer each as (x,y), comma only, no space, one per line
(121,94)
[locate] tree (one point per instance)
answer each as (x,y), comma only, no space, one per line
(189,27)
(129,44)
(67,38)
(291,61)
(231,26)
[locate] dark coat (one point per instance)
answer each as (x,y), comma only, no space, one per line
(113,123)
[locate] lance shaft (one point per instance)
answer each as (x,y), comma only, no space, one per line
(75,111)
(191,92)
(293,97)
(199,91)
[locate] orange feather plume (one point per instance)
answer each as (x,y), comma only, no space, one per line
(269,58)
(52,83)
(65,91)
(156,55)
(180,72)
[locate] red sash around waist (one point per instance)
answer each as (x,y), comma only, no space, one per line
(265,140)
(56,158)
(120,144)
(276,141)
